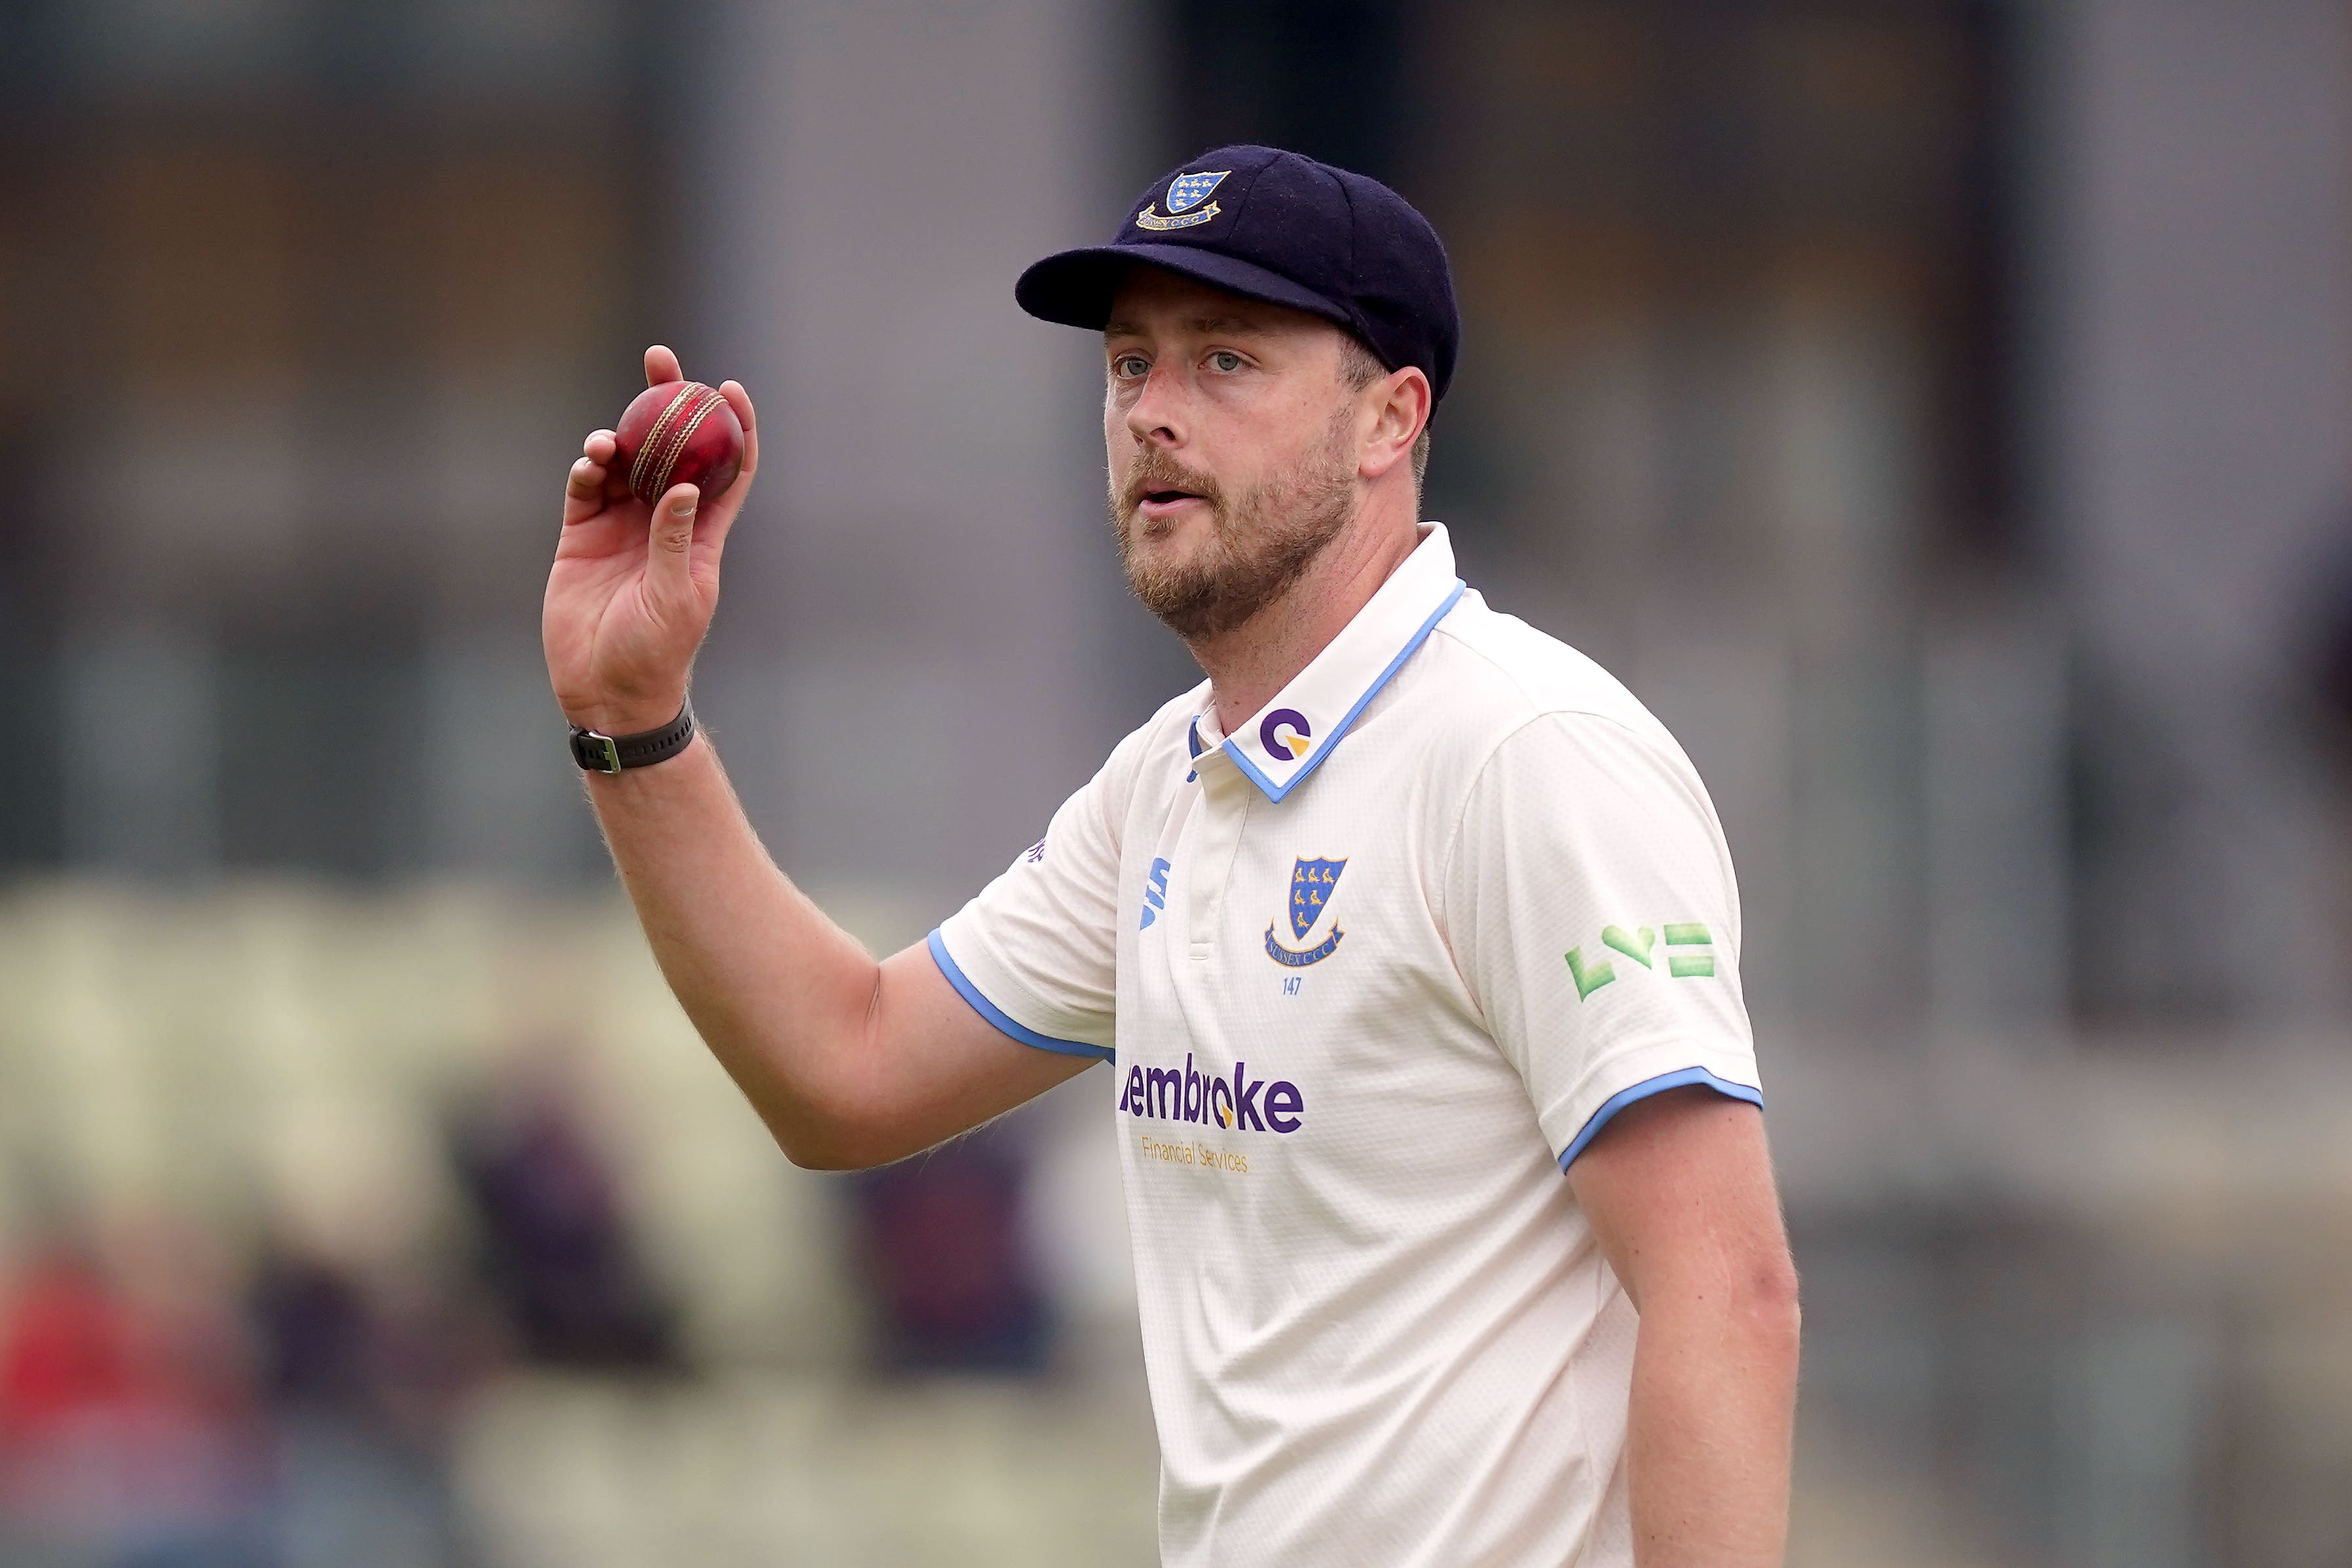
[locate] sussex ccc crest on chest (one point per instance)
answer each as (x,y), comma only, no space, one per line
(1311,882)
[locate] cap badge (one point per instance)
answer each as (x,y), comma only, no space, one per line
(1185,193)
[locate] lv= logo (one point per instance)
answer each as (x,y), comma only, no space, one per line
(1639,944)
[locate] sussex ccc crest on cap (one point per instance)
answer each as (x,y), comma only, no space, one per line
(1185,193)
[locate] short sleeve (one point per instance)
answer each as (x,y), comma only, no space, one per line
(1590,905)
(1035,952)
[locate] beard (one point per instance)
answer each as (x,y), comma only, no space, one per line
(1260,542)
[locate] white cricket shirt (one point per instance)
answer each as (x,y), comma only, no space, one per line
(1371,973)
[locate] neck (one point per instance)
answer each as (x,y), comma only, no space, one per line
(1247,666)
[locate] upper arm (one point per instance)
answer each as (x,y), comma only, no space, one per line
(1679,1193)
(1012,995)
(936,1064)
(1036,954)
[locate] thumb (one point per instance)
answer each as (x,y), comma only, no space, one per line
(672,548)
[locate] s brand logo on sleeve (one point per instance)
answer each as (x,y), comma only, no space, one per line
(1155,894)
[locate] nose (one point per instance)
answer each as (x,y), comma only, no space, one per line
(1157,415)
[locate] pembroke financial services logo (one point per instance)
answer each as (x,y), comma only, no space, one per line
(1239,1104)
(1311,882)
(1185,194)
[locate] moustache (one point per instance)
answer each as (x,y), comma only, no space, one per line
(1156,470)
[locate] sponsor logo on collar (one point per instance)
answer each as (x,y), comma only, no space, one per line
(1286,733)
(1288,747)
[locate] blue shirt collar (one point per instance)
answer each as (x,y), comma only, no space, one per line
(1287,739)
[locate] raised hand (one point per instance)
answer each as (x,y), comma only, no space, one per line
(630,597)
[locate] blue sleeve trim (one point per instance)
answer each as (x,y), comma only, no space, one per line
(1658,1085)
(997,1015)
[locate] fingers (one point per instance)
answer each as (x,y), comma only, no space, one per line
(714,521)
(661,365)
(583,492)
(740,402)
(672,551)
(584,487)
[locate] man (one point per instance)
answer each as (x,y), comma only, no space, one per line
(1404,912)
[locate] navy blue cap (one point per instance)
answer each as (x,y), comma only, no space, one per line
(1277,227)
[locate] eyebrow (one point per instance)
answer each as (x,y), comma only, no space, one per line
(1200,324)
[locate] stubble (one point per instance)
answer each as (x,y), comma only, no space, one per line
(1261,541)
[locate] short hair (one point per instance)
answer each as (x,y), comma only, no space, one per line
(1360,368)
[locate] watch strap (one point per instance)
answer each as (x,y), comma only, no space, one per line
(597,752)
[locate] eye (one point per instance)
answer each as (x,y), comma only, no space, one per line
(1127,367)
(1226,360)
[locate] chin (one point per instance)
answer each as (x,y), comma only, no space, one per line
(1151,535)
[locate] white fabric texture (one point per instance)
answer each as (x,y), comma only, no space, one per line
(1352,1055)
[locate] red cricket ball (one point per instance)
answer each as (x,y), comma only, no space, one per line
(678,432)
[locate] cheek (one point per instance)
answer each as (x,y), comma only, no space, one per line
(1260,438)
(1119,448)
(1119,436)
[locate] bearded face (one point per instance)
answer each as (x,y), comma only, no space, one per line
(1203,577)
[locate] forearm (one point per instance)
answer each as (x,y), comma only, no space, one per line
(1715,1384)
(850,1062)
(782,995)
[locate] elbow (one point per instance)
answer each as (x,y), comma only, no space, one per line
(835,1141)
(1770,1303)
(817,1155)
(824,1121)
(1751,1299)
(828,1149)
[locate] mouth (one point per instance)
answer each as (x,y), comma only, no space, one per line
(1156,505)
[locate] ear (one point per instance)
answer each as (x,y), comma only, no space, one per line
(1400,405)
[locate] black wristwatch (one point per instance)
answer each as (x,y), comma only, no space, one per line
(600,753)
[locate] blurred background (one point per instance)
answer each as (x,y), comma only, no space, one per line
(1937,409)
